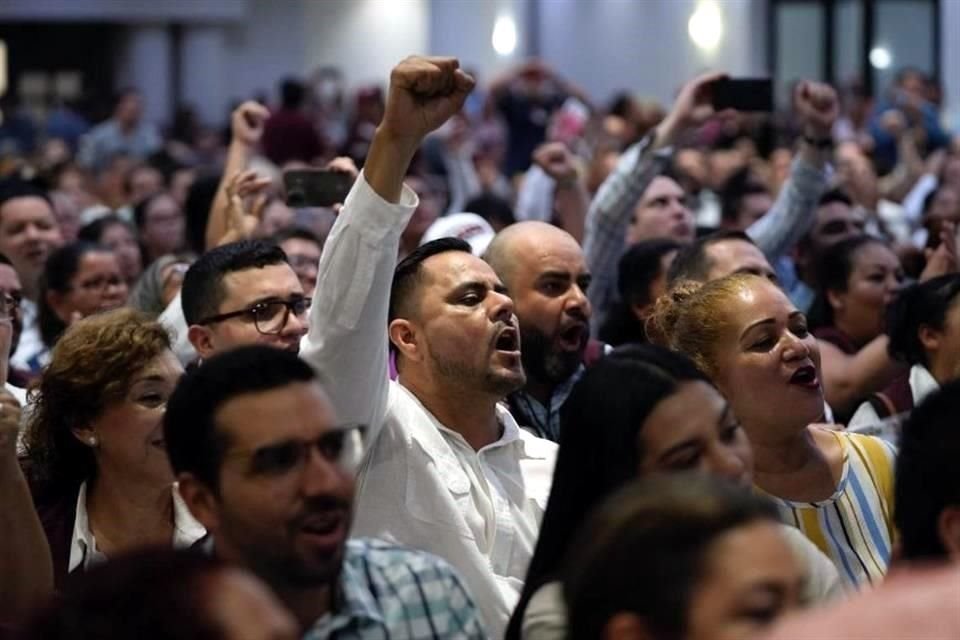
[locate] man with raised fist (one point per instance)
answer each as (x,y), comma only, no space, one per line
(447,469)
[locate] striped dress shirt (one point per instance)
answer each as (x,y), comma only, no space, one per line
(854,526)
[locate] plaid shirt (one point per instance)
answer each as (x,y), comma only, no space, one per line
(388,591)
(611,209)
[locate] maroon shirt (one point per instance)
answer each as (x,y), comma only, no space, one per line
(288,135)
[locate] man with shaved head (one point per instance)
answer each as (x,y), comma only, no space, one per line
(545,273)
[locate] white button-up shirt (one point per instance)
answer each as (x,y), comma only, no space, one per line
(421,484)
(83,547)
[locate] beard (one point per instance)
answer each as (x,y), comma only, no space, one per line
(462,373)
(544,363)
(274,554)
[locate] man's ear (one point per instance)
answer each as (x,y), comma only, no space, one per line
(406,338)
(200,500)
(948,528)
(202,340)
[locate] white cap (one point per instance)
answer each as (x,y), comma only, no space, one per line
(467,226)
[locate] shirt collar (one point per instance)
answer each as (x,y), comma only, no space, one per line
(922,383)
(354,601)
(83,548)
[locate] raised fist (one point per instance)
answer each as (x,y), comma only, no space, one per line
(246,123)
(818,107)
(557,161)
(424,93)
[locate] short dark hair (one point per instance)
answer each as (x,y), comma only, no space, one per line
(924,303)
(158,594)
(638,269)
(61,267)
(927,476)
(194,444)
(408,274)
(292,93)
(16,188)
(643,551)
(835,195)
(693,263)
(203,289)
(737,188)
(491,208)
(93,231)
(298,233)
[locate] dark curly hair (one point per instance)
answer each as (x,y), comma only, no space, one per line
(91,368)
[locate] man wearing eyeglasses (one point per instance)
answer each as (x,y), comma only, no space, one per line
(243,293)
(11,292)
(264,464)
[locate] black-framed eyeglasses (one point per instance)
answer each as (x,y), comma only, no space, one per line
(341,446)
(269,316)
(11,304)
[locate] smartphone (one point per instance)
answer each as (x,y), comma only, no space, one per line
(570,121)
(743,94)
(315,188)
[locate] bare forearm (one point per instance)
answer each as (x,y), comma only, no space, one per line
(238,155)
(571,203)
(25,562)
(387,163)
(847,379)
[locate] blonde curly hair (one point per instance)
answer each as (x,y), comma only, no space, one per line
(688,318)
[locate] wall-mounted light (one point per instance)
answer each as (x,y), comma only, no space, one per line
(706,25)
(504,37)
(881,58)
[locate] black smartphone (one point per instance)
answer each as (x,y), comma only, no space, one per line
(743,94)
(315,188)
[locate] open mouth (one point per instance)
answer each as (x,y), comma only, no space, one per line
(508,341)
(573,337)
(806,377)
(325,529)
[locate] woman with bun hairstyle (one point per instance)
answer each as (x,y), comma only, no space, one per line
(924,330)
(836,487)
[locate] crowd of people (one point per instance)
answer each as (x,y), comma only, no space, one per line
(552,369)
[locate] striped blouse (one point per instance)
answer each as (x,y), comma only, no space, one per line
(854,526)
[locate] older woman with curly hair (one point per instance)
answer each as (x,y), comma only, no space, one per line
(96,459)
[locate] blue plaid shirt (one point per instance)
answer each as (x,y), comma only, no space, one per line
(392,592)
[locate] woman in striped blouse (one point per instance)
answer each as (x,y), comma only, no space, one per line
(836,487)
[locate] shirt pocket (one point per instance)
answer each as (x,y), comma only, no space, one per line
(439,494)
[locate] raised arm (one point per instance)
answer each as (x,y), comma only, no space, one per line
(609,214)
(26,566)
(793,212)
(347,341)
(246,129)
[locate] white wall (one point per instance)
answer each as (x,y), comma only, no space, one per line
(950,58)
(464,28)
(365,38)
(644,45)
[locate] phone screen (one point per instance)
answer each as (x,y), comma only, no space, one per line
(316,188)
(743,94)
